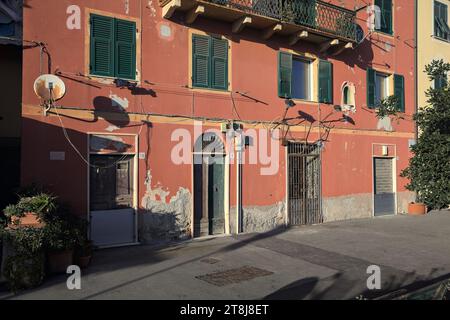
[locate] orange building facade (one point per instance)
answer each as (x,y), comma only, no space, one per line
(191,118)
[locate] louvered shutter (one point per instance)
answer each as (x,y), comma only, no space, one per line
(219,64)
(200,61)
(284,75)
(399,91)
(371,80)
(102,46)
(325,82)
(125,49)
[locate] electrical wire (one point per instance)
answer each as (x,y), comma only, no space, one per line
(66,135)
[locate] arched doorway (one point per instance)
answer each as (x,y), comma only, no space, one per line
(209,186)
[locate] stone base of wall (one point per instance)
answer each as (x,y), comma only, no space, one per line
(161,221)
(403,199)
(347,207)
(259,218)
(358,206)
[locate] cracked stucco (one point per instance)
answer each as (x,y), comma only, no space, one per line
(163,218)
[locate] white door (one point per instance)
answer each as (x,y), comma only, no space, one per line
(112,216)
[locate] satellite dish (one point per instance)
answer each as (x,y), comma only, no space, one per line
(49,87)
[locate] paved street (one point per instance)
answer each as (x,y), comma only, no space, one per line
(328,261)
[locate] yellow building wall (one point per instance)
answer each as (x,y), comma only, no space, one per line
(429,47)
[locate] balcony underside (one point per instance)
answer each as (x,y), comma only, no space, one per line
(268,26)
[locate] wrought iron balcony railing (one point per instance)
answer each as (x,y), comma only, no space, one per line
(314,14)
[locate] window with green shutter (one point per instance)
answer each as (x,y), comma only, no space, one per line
(325,82)
(399,91)
(209,62)
(112,47)
(284,75)
(371,92)
(385,15)
(441,28)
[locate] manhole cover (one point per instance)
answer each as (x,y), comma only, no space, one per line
(231,276)
(210,260)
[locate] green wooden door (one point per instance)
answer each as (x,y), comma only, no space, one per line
(216,192)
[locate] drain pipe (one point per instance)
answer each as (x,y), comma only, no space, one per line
(239,149)
(416,68)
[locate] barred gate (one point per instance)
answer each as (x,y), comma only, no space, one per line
(304,184)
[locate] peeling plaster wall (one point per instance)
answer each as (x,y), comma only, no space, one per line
(162,219)
(259,218)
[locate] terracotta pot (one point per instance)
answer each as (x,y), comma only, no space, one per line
(58,261)
(417,209)
(29,220)
(83,262)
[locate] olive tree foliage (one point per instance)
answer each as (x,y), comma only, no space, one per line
(429,168)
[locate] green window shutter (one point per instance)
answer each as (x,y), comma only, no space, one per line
(125,49)
(219,64)
(399,91)
(102,46)
(371,80)
(284,75)
(200,61)
(325,82)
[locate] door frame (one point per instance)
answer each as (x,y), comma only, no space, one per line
(135,207)
(394,174)
(226,190)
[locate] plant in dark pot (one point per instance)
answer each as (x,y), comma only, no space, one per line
(83,254)
(84,248)
(60,240)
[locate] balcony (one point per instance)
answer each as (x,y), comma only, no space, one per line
(328,25)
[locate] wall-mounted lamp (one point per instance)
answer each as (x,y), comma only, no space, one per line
(289,103)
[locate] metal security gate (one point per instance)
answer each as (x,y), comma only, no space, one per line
(304,187)
(384,197)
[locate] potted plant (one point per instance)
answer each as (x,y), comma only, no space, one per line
(428,171)
(30,210)
(83,254)
(84,248)
(417,209)
(60,239)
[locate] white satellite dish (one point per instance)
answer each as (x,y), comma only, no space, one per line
(49,87)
